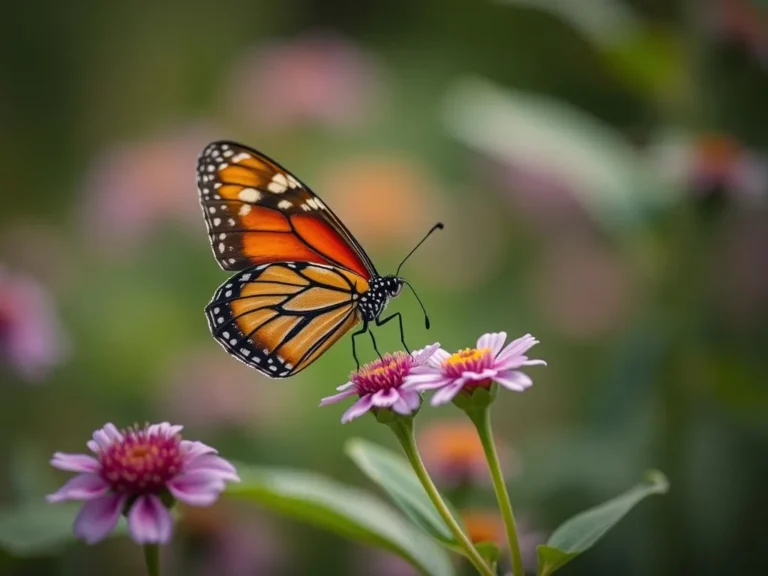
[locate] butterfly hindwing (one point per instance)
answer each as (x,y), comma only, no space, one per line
(280,317)
(257,213)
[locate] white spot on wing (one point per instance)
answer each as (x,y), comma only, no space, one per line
(284,204)
(249,195)
(245,209)
(240,157)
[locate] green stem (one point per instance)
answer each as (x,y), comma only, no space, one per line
(152,559)
(403,430)
(481,418)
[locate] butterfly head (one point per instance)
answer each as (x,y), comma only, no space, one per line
(393,285)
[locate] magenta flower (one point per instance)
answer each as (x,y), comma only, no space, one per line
(134,472)
(379,384)
(472,368)
(32,339)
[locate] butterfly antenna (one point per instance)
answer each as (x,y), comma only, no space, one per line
(438,226)
(426,318)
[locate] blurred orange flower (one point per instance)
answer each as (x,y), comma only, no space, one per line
(133,186)
(720,161)
(486,526)
(384,199)
(454,455)
(313,78)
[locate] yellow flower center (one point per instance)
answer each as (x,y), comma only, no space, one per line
(467,355)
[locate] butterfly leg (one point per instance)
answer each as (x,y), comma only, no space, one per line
(399,317)
(362,330)
(374,344)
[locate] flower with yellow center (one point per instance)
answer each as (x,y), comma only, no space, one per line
(490,361)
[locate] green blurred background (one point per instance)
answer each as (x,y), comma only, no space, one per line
(601,170)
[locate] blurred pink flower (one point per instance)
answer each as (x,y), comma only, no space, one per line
(318,78)
(229,541)
(377,562)
(720,161)
(32,339)
(138,466)
(737,269)
(379,385)
(744,22)
(133,187)
(471,368)
(582,289)
(203,387)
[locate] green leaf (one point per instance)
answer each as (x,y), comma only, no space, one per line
(490,551)
(396,477)
(578,534)
(342,509)
(617,185)
(36,528)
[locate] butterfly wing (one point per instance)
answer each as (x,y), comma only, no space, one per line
(257,213)
(280,317)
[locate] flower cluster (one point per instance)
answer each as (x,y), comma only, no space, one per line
(396,381)
(139,472)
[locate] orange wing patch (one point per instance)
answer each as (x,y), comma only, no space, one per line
(246,197)
(279,318)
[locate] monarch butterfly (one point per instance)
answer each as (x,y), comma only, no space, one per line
(303,280)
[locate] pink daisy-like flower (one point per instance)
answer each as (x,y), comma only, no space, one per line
(473,368)
(134,472)
(379,384)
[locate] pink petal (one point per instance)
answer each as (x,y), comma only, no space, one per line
(164,429)
(336,397)
(405,402)
(448,393)
(215,464)
(81,487)
(479,376)
(149,521)
(104,437)
(358,408)
(438,358)
(75,462)
(421,356)
(345,386)
(198,488)
(385,398)
(97,518)
(492,340)
(534,363)
(514,380)
(425,381)
(194,449)
(516,348)
(412,398)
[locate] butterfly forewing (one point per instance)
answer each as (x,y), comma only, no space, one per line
(280,317)
(257,212)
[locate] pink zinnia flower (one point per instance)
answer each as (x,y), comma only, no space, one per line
(472,368)
(134,472)
(379,384)
(32,339)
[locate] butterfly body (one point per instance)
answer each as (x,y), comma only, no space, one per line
(302,279)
